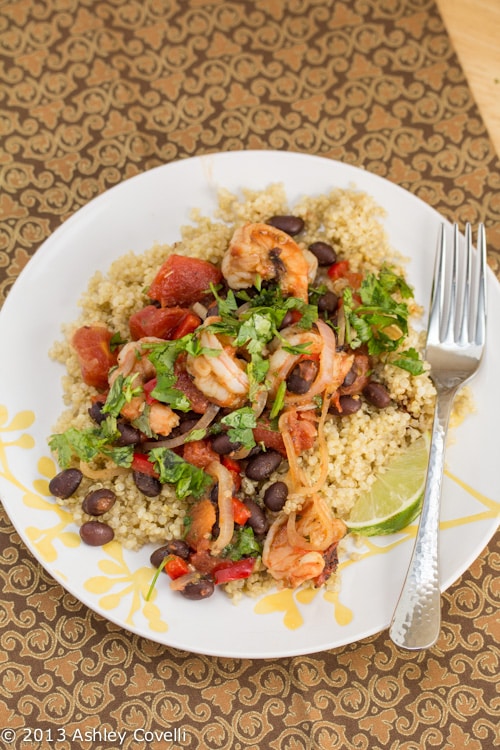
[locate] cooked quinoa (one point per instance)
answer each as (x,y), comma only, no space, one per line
(358,445)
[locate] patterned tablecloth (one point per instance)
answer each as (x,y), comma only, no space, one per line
(95,91)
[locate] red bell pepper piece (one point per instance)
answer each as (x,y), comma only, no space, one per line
(148,388)
(241,512)
(175,566)
(338,270)
(240,569)
(235,469)
(341,270)
(141,463)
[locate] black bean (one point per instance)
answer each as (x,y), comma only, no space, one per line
(302,376)
(377,394)
(187,424)
(348,406)
(98,502)
(258,520)
(350,378)
(275,496)
(262,466)
(213,309)
(292,225)
(214,493)
(96,533)
(175,547)
(328,302)
(201,589)
(287,320)
(324,253)
(96,412)
(65,483)
(129,435)
(145,483)
(223,445)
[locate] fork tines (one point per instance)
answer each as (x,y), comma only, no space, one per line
(458,301)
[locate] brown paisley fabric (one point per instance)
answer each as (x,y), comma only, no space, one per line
(93,92)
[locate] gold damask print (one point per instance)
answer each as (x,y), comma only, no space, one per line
(96,91)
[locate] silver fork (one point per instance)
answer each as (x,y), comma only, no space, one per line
(455,345)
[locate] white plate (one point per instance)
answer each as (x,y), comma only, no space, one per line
(151,207)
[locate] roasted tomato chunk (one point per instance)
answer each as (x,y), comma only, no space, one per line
(199,453)
(182,281)
(163,323)
(93,348)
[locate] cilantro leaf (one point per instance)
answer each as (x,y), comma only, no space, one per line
(90,443)
(409,360)
(163,356)
(241,423)
(122,392)
(379,320)
(172,469)
(279,400)
(243,544)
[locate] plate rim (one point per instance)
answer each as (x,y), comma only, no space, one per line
(51,243)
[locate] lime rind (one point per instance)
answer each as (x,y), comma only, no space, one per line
(390,525)
(395,498)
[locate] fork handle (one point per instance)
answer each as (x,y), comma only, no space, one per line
(417,618)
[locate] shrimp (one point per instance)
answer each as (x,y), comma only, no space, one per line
(329,373)
(260,250)
(295,546)
(219,375)
(133,360)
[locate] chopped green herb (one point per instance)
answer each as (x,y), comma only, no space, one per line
(155,577)
(243,544)
(195,435)
(279,400)
(163,356)
(380,321)
(122,392)
(172,469)
(88,444)
(142,422)
(240,423)
(409,360)
(116,341)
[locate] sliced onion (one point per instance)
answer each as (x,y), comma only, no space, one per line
(323,451)
(107,473)
(225,503)
(200,310)
(323,519)
(175,442)
(295,472)
(341,326)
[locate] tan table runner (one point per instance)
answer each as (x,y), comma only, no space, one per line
(92,93)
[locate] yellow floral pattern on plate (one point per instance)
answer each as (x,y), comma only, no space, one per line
(44,540)
(134,584)
(287,601)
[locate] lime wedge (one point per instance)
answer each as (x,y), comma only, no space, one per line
(395,498)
